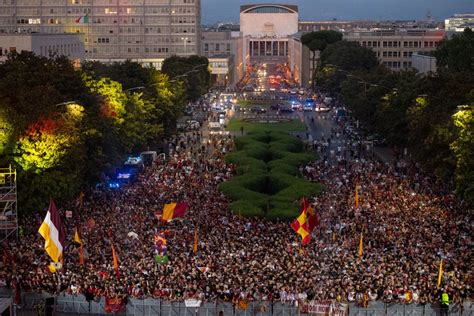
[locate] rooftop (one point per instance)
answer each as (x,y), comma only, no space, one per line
(268,8)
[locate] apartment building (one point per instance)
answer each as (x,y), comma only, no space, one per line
(394,48)
(458,22)
(114,30)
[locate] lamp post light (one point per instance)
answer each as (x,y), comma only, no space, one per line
(134,88)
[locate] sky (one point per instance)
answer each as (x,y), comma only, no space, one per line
(310,10)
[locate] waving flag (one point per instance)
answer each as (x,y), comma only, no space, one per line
(440,273)
(53,233)
(174,210)
(77,238)
(116,266)
(305,222)
(83,19)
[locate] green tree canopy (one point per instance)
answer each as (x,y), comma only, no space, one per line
(349,56)
(193,70)
(457,53)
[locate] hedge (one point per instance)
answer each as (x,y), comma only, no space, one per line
(268,183)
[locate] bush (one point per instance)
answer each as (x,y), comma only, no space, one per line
(246,208)
(267,182)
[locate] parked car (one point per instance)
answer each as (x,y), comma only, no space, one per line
(286,110)
(275,106)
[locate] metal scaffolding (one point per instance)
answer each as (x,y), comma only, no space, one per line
(8,204)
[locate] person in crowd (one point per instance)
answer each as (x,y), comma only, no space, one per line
(407,227)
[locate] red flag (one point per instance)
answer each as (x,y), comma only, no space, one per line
(180,209)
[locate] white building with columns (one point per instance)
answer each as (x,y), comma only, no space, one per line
(268,35)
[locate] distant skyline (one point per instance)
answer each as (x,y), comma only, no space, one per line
(228,10)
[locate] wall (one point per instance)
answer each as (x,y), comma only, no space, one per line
(268,24)
(423,64)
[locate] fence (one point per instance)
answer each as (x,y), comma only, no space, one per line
(78,305)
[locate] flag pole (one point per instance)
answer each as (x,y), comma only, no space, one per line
(440,273)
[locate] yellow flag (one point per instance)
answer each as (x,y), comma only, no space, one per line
(440,273)
(52,268)
(360,246)
(77,238)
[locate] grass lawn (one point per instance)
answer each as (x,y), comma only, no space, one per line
(293,126)
(248,103)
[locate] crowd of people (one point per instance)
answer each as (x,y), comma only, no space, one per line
(406,228)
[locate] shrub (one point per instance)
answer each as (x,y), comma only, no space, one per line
(267,182)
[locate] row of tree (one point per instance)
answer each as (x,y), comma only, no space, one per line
(430,115)
(64,129)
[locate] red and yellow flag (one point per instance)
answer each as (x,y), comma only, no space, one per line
(173,210)
(305,222)
(53,233)
(360,246)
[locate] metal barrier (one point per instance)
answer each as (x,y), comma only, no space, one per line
(78,305)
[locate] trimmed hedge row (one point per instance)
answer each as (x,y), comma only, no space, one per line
(267,183)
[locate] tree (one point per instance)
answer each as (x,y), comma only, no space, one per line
(7,130)
(193,70)
(129,74)
(349,56)
(33,96)
(318,41)
(457,53)
(463,148)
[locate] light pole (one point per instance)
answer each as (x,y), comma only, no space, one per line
(134,88)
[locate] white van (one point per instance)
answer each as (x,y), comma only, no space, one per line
(215,128)
(149,157)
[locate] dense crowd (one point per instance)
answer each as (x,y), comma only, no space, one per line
(407,229)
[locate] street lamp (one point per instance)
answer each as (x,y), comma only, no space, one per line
(134,88)
(65,103)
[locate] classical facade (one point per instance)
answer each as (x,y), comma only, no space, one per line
(146,31)
(269,36)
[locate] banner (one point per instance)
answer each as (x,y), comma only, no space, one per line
(114,305)
(192,303)
(323,308)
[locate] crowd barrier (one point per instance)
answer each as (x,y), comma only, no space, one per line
(78,305)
